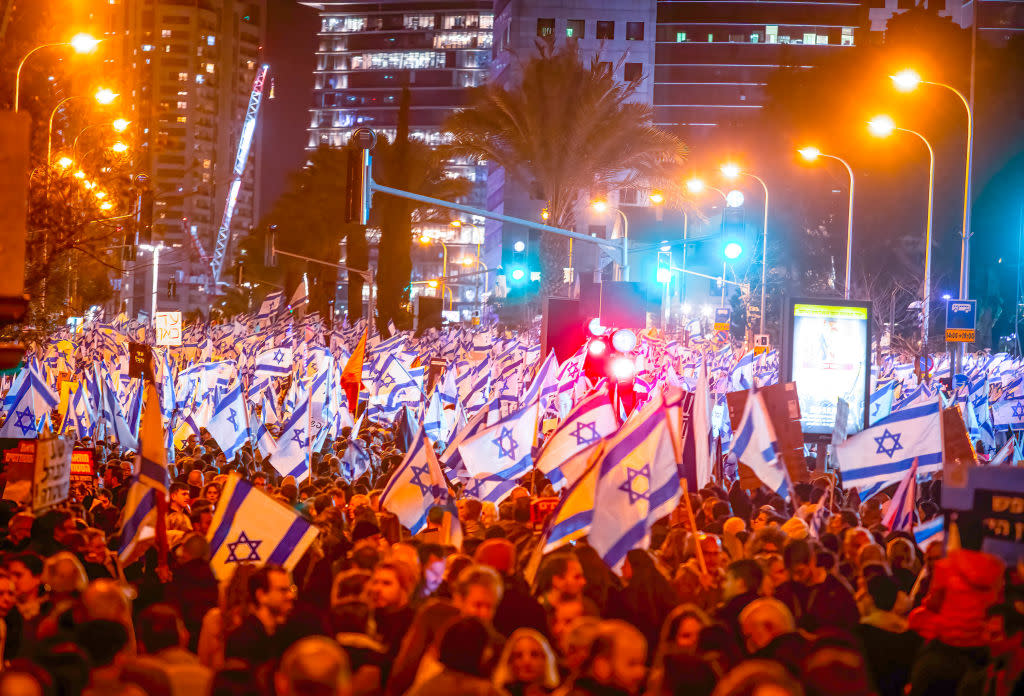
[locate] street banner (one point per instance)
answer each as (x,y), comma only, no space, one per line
(168,328)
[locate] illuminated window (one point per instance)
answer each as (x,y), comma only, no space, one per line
(211,40)
(183,77)
(574,28)
(545,26)
(182,105)
(165,33)
(206,164)
(147,47)
(209,68)
(847,37)
(680,36)
(772,33)
(182,119)
(200,79)
(810,38)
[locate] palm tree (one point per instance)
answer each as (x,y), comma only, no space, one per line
(565,129)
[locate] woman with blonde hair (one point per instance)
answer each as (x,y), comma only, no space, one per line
(219,621)
(527,666)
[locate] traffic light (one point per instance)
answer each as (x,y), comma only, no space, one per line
(664,266)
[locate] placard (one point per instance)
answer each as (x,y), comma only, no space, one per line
(138,355)
(540,510)
(827,354)
(168,328)
(52,480)
(723,318)
(83,470)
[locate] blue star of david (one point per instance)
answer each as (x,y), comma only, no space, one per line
(278,357)
(243,540)
(504,450)
(208,395)
(418,472)
(875,408)
(232,419)
(388,381)
(894,438)
(643,474)
(298,439)
(586,433)
(21,417)
(1018,410)
(472,488)
(574,371)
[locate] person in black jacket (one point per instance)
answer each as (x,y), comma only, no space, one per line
(743,579)
(647,598)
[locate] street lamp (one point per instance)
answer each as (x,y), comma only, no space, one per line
(883,126)
(80,43)
(733,171)
(601,206)
(119,147)
(907,81)
(103,96)
(117,124)
(811,154)
(657,197)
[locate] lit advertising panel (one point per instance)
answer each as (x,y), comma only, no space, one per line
(829,357)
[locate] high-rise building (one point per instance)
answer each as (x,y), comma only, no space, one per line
(621,33)
(368,53)
(714,58)
(186,70)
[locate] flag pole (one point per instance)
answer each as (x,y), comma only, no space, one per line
(693,524)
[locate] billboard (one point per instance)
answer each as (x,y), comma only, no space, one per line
(828,355)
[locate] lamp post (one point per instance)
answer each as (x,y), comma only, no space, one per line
(601,206)
(119,125)
(812,153)
(883,126)
(102,96)
(696,185)
(731,171)
(155,248)
(81,43)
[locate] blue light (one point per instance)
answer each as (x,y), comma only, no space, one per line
(732,250)
(518,274)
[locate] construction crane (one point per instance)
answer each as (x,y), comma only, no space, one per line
(242,156)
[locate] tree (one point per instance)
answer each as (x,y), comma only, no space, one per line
(565,129)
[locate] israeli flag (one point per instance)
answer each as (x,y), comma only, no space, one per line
(275,362)
(415,486)
(590,420)
(251,527)
(30,406)
(883,453)
(504,448)
(881,402)
(545,384)
(229,424)
(1008,413)
(755,445)
(899,516)
(291,457)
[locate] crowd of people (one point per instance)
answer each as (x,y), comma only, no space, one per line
(739,593)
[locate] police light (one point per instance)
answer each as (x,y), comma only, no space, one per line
(621,368)
(597,347)
(624,340)
(595,328)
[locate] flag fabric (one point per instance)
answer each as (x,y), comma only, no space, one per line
(1005,452)
(755,445)
(229,424)
(545,384)
(932,530)
(702,430)
(150,482)
(30,407)
(588,422)
(881,402)
(415,486)
(504,448)
(251,527)
(882,454)
(352,375)
(899,517)
(291,456)
(270,306)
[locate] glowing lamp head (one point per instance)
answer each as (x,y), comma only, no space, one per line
(84,43)
(105,95)
(621,368)
(595,328)
(100,195)
(882,126)
(518,274)
(809,153)
(119,147)
(623,340)
(695,185)
(106,205)
(467,261)
(657,197)
(120,125)
(734,199)
(545,214)
(732,251)
(597,347)
(730,171)
(65,162)
(432,283)
(456,223)
(599,205)
(424,239)
(519,246)
(79,174)
(906,80)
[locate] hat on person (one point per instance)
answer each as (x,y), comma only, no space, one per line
(499,554)
(363,530)
(795,528)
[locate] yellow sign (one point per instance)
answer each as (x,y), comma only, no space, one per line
(960,335)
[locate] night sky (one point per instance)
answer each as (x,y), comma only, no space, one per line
(291,42)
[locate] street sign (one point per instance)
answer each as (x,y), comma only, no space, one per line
(723,318)
(168,328)
(762,344)
(960,319)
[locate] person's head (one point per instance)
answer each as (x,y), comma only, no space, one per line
(8,597)
(853,541)
(565,576)
(766,516)
(617,657)
(477,592)
(160,627)
(742,577)
(800,562)
(470,509)
(271,593)
(711,548)
(202,519)
(259,481)
(195,478)
(764,620)
(64,575)
(113,476)
(313,666)
(901,554)
(179,495)
(24,678)
(390,586)
(104,641)
(682,628)
(527,659)
(435,517)
(19,529)
(562,615)
(25,570)
(211,493)
(195,547)
(883,592)
(758,678)
(499,554)
(774,572)
(465,646)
